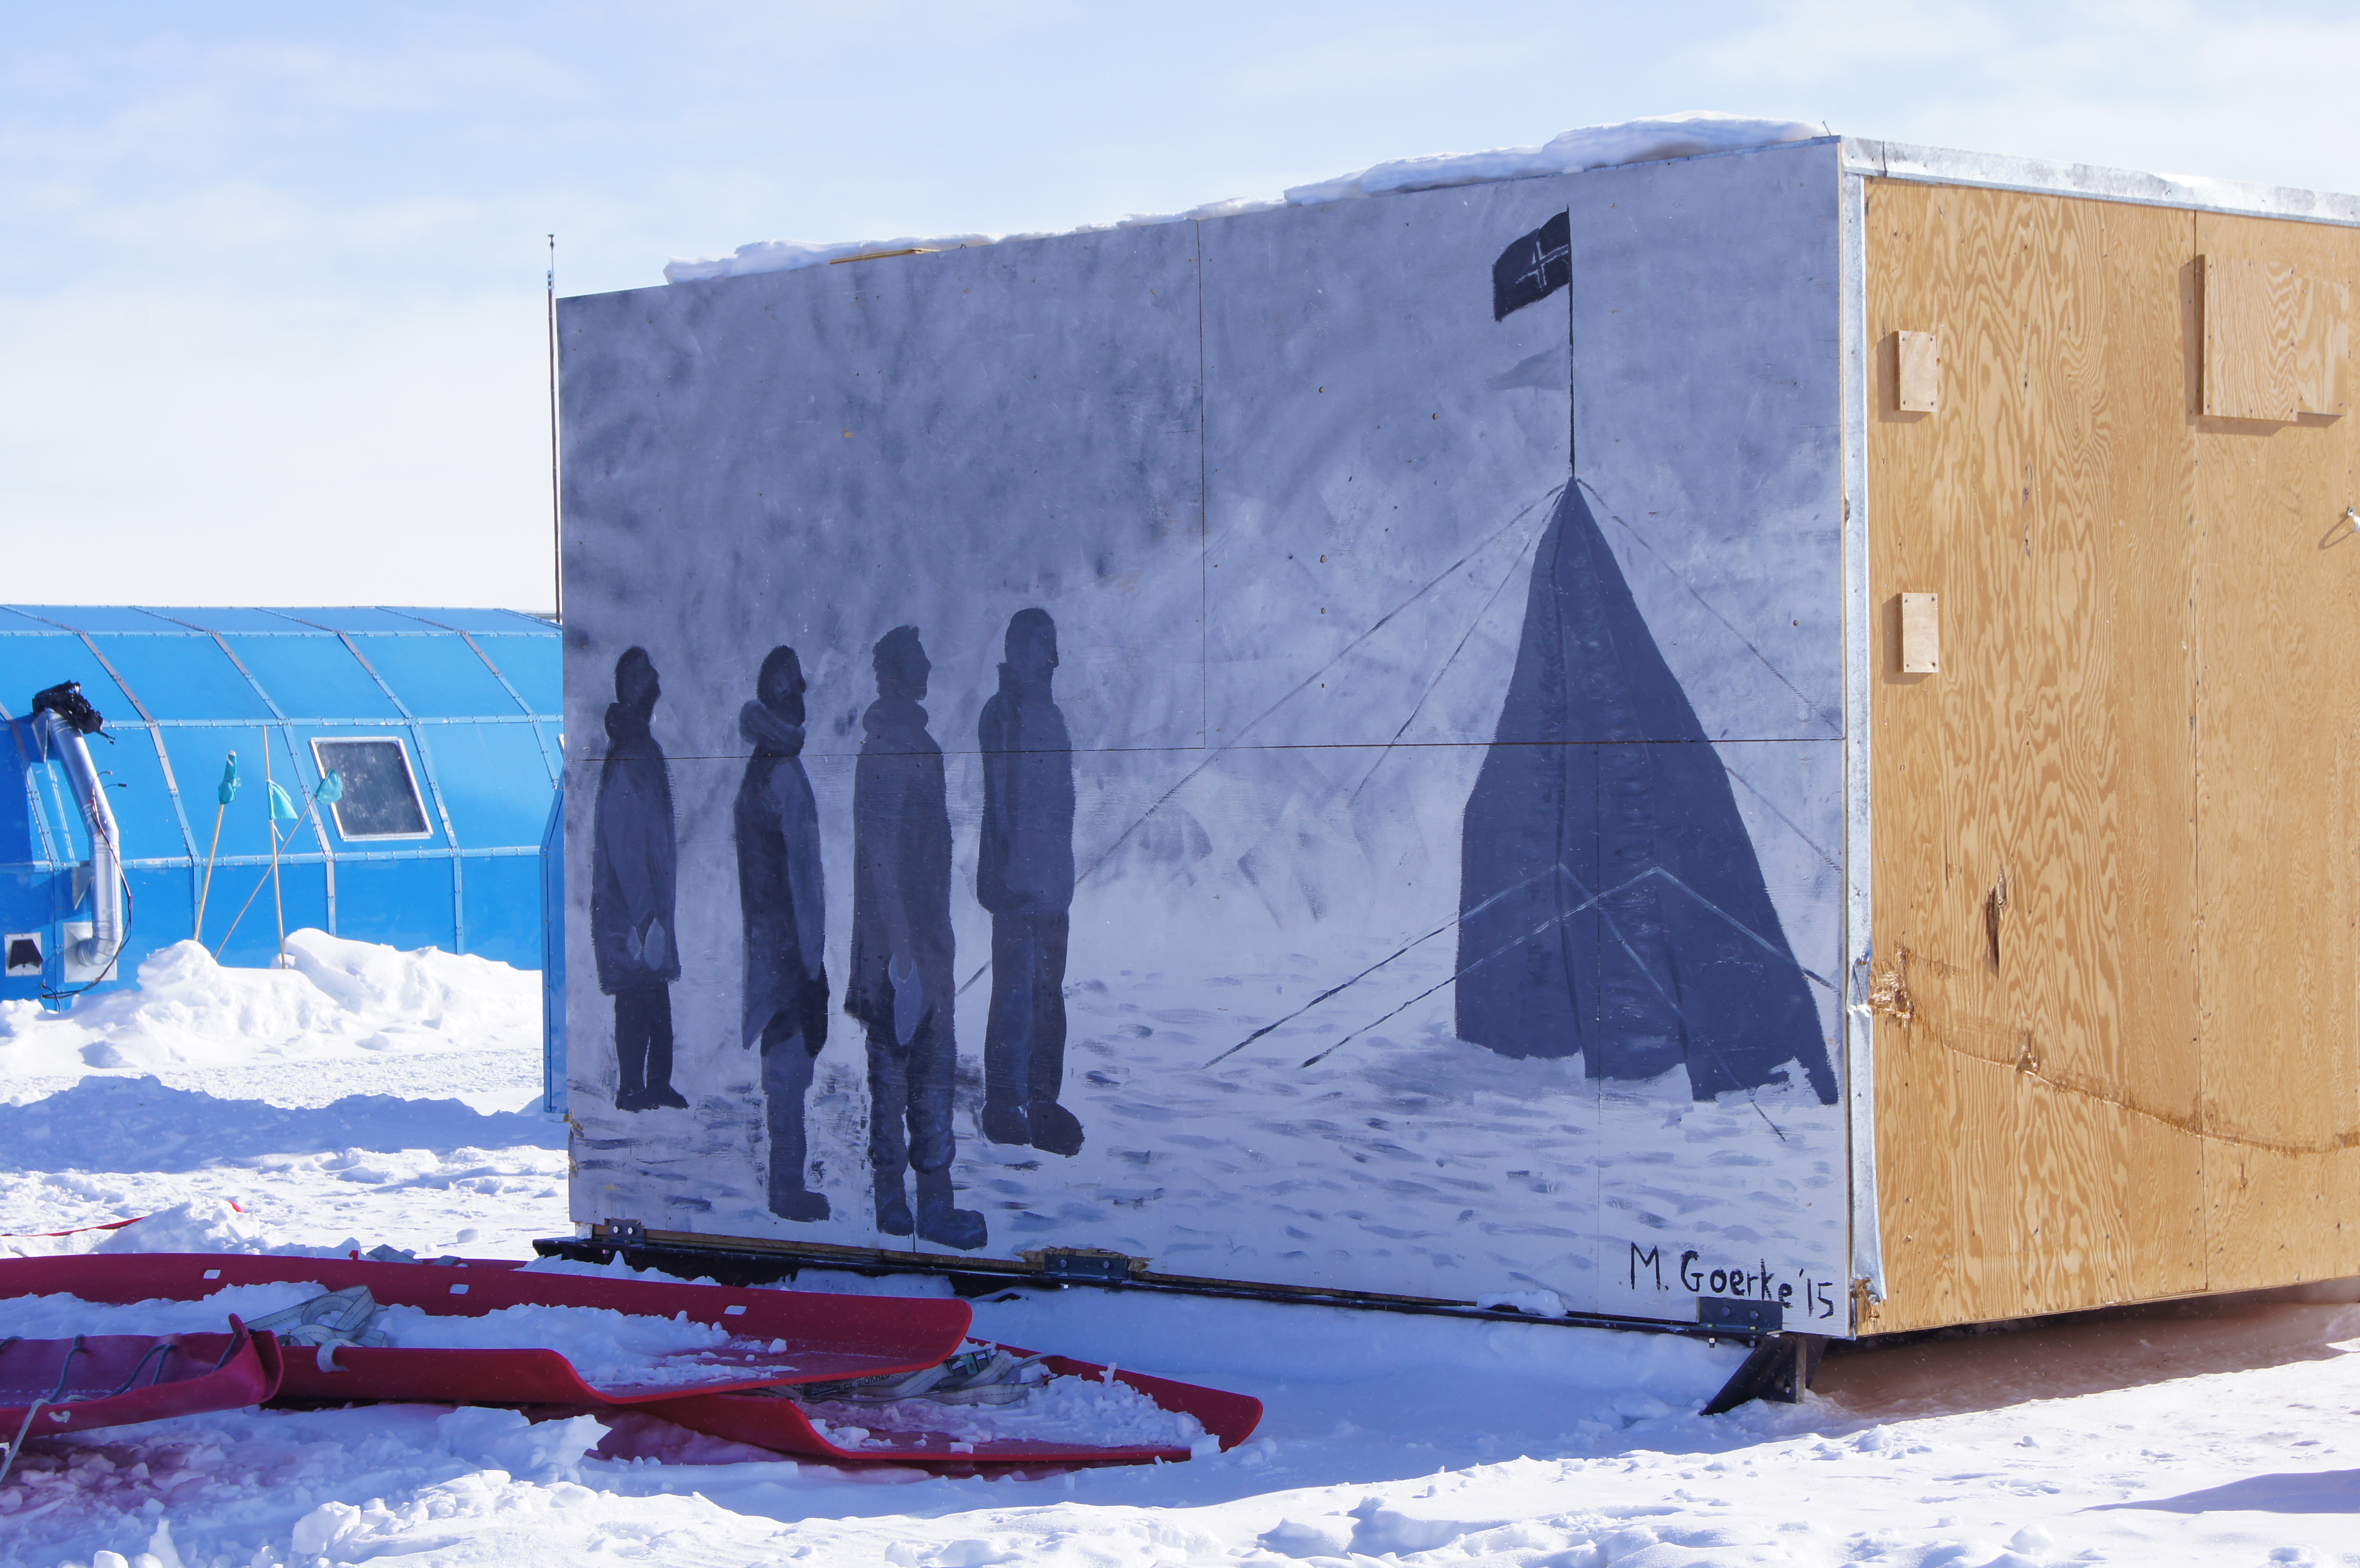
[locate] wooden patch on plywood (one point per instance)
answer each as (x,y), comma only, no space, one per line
(1918,379)
(1921,634)
(2322,344)
(2250,311)
(2275,340)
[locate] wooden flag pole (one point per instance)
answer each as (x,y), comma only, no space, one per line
(222,795)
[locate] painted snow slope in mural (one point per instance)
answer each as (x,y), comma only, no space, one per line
(1321,731)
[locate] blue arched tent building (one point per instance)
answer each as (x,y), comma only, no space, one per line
(442,726)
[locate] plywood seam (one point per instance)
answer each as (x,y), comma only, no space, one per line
(1858,1022)
(2192,349)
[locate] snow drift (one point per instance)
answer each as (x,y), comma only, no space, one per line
(339,999)
(1569,152)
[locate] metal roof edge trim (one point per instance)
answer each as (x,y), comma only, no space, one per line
(306,858)
(170,624)
(1950,165)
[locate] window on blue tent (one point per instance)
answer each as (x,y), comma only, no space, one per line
(380,799)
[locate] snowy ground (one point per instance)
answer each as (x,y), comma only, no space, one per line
(398,1111)
(1406,1155)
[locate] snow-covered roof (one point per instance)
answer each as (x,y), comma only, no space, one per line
(1569,152)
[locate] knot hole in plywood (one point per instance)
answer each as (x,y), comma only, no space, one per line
(1995,907)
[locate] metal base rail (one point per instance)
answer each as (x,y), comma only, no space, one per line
(1777,1369)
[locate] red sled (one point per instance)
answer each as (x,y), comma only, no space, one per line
(776,1422)
(827,1337)
(115,1379)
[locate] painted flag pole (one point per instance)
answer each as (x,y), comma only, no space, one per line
(224,795)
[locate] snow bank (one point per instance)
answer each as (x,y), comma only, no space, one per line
(1569,152)
(116,1123)
(343,1000)
(200,1225)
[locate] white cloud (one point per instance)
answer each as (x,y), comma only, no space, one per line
(188,448)
(2252,93)
(271,284)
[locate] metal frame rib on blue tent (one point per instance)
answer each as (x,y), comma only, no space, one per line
(441,728)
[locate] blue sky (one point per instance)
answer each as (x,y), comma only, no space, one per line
(271,298)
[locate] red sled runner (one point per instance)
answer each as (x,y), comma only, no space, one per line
(784,1425)
(827,1337)
(741,1392)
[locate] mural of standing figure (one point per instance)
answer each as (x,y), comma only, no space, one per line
(783,900)
(634,869)
(901,988)
(1024,876)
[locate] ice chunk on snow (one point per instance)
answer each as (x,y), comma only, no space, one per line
(1098,1412)
(1384,1530)
(1569,152)
(505,1440)
(1326,1536)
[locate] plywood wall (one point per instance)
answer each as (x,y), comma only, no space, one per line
(2118,1049)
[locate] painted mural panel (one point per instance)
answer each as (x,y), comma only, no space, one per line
(1168,741)
(1380,452)
(1706,423)
(1706,441)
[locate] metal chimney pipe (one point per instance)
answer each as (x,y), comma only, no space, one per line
(95,953)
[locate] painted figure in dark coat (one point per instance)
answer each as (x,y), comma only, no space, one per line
(634,866)
(1024,876)
(783,900)
(1610,901)
(900,987)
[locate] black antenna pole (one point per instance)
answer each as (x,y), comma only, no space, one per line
(556,524)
